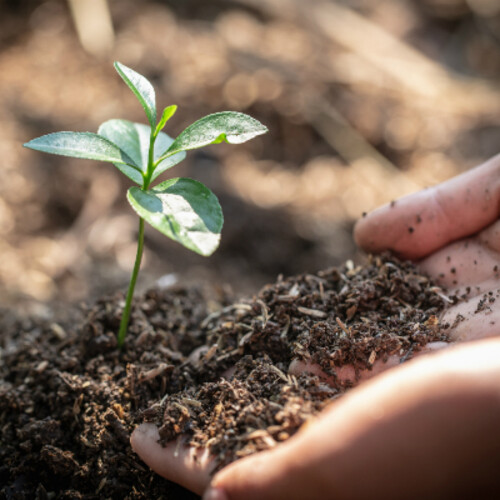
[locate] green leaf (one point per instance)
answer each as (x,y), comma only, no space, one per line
(142,89)
(182,209)
(84,145)
(168,112)
(162,143)
(134,139)
(129,139)
(229,126)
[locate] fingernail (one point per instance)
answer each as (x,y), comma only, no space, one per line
(215,494)
(149,431)
(143,435)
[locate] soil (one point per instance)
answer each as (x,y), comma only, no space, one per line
(199,364)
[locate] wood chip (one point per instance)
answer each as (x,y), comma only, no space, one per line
(342,325)
(315,313)
(372,358)
(58,331)
(154,372)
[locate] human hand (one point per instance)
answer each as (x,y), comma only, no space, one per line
(427,429)
(452,229)
(435,236)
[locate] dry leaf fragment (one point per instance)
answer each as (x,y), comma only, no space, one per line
(372,358)
(351,312)
(312,312)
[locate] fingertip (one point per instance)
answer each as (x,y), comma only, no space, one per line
(368,233)
(145,442)
(183,464)
(144,437)
(359,231)
(215,494)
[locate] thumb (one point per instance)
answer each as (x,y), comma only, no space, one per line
(270,475)
(427,429)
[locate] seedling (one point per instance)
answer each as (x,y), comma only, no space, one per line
(183,209)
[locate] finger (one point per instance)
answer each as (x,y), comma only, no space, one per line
(345,374)
(470,269)
(478,318)
(463,264)
(472,262)
(179,463)
(382,440)
(423,222)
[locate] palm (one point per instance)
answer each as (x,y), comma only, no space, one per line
(453,230)
(470,268)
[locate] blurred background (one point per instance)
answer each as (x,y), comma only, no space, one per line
(365,101)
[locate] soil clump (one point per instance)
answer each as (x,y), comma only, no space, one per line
(201,366)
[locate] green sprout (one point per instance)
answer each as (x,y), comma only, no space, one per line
(183,209)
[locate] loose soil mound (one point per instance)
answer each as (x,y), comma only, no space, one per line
(199,365)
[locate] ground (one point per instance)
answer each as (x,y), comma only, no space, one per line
(204,368)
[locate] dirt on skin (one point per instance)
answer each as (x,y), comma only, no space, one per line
(199,365)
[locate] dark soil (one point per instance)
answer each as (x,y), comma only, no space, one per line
(69,399)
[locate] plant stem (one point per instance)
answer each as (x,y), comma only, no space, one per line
(151,163)
(122,332)
(130,293)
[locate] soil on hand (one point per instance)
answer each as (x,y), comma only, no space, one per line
(200,365)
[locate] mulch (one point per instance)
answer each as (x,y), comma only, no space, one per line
(201,365)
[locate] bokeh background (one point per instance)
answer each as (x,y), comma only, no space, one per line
(365,101)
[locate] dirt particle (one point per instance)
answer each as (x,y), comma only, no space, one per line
(410,229)
(459,318)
